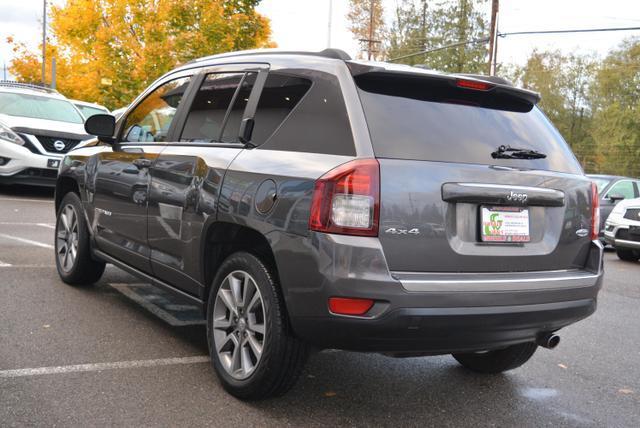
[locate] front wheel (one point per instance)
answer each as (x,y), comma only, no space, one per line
(497,361)
(253,351)
(73,250)
(628,255)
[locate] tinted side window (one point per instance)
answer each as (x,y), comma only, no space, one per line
(318,124)
(281,93)
(624,188)
(210,119)
(150,120)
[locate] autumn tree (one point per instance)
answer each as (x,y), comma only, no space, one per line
(420,25)
(108,51)
(366,18)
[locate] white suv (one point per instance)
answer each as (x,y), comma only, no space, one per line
(622,229)
(37,127)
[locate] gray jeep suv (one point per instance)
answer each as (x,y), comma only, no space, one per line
(307,200)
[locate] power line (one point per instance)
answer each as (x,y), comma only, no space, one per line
(453,45)
(513,33)
(588,30)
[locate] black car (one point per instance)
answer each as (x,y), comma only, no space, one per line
(309,200)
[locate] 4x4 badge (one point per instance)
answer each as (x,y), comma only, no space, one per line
(396,231)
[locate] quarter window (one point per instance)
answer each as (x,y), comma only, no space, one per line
(281,93)
(151,119)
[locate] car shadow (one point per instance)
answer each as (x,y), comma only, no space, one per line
(16,191)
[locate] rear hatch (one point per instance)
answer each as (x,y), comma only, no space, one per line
(453,200)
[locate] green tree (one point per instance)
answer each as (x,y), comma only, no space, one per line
(563,81)
(421,25)
(616,119)
(130,43)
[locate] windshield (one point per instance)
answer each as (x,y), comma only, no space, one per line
(36,107)
(87,111)
(422,119)
(601,183)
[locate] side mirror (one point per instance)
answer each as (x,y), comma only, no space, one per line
(102,126)
(246,129)
(616,197)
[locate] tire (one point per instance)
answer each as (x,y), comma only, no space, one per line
(282,355)
(81,269)
(628,255)
(497,361)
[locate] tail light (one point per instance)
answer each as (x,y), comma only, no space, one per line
(595,212)
(346,200)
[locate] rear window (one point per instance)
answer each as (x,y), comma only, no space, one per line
(429,119)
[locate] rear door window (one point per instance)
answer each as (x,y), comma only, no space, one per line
(428,119)
(218,107)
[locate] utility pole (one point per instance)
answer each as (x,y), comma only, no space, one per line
(370,30)
(44,40)
(329,25)
(493,37)
(371,43)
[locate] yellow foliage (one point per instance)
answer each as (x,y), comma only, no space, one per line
(133,42)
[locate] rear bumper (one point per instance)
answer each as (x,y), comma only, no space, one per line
(444,330)
(434,313)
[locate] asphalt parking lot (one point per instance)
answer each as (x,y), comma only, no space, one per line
(122,353)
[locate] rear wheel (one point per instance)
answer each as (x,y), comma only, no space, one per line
(497,361)
(628,255)
(252,348)
(73,251)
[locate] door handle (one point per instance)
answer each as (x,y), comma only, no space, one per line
(143,163)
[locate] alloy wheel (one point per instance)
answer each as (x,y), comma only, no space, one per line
(239,327)
(67,238)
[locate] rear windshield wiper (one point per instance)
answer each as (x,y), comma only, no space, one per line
(508,152)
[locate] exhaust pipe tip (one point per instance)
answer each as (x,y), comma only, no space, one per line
(549,341)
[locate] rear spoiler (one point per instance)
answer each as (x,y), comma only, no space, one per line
(488,84)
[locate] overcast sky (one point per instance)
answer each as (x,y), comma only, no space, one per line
(303,24)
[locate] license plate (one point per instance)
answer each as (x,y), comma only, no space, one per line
(634,230)
(53,163)
(504,224)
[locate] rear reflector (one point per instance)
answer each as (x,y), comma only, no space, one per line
(595,212)
(349,306)
(473,84)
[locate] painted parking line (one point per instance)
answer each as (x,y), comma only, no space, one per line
(97,367)
(20,223)
(26,241)
(161,304)
(26,200)
(9,265)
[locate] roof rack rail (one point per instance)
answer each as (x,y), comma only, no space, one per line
(34,86)
(326,53)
